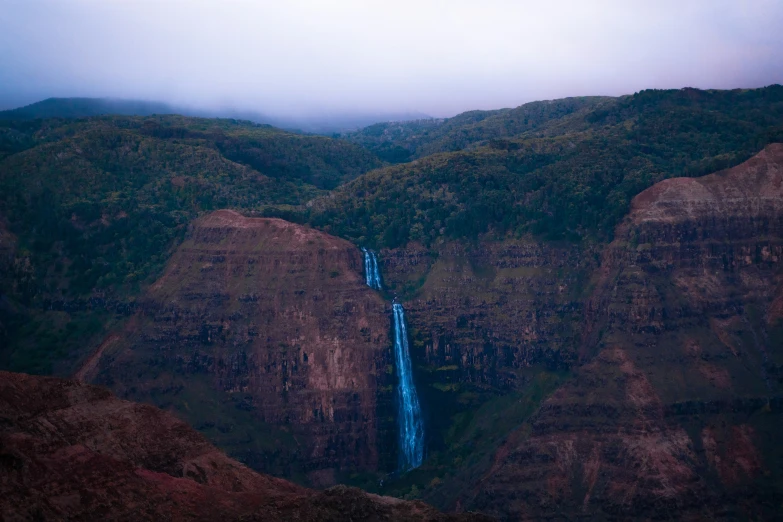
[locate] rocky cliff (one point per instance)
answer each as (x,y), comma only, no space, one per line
(493,324)
(73,451)
(669,343)
(678,411)
(493,308)
(263,335)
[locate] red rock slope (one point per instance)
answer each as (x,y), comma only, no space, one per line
(263,333)
(70,451)
(677,412)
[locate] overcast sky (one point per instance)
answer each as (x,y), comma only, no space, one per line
(437,57)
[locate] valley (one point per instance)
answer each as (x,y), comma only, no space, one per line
(592,292)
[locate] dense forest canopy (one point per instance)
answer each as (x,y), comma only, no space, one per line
(398,142)
(105,196)
(570,177)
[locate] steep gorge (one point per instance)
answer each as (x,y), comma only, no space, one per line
(668,340)
(678,410)
(262,334)
(559,375)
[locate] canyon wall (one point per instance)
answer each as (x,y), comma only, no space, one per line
(491,309)
(678,411)
(263,335)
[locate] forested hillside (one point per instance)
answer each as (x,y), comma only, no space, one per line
(398,142)
(97,204)
(570,177)
(85,107)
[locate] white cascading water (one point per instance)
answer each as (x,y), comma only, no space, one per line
(372,275)
(411,435)
(411,425)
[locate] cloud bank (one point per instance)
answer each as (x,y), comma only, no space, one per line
(301,57)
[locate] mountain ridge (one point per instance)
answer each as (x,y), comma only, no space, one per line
(575,183)
(398,142)
(87,107)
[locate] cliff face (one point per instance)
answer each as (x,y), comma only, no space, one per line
(262,334)
(493,326)
(73,451)
(493,309)
(679,410)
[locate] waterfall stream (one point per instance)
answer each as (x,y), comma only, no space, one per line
(411,425)
(372,275)
(411,436)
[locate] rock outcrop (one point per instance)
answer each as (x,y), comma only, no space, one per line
(679,410)
(262,334)
(492,309)
(70,451)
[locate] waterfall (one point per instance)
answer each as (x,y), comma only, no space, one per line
(411,432)
(411,435)
(372,275)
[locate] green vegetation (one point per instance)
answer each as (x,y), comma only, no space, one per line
(98,204)
(570,178)
(397,142)
(53,342)
(469,427)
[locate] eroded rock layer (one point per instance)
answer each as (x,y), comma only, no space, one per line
(262,334)
(491,309)
(679,411)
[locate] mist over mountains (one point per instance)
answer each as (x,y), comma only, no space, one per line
(85,107)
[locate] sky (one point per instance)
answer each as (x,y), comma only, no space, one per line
(439,57)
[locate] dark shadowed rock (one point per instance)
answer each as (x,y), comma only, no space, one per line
(677,413)
(262,334)
(70,451)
